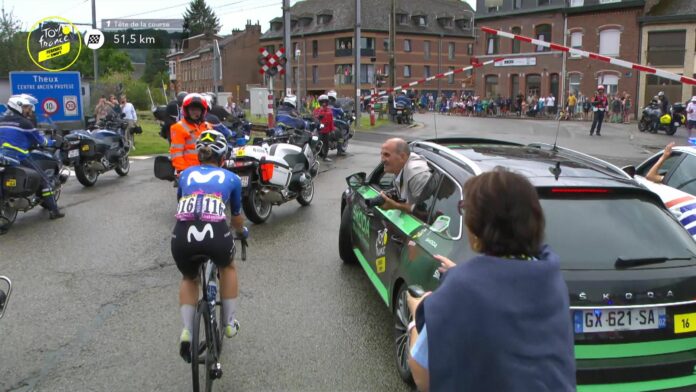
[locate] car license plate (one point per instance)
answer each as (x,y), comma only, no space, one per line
(612,320)
(399,112)
(74,153)
(684,323)
(245,181)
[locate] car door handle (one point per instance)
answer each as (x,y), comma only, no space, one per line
(397,238)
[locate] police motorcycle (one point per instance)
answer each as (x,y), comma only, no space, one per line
(275,170)
(653,120)
(344,117)
(20,188)
(404,110)
(98,149)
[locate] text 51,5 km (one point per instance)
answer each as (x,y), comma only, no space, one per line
(133,39)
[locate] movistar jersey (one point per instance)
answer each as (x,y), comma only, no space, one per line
(204,192)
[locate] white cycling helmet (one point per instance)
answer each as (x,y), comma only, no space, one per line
(323,98)
(213,139)
(290,100)
(19,101)
(332,94)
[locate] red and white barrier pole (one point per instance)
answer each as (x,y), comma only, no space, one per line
(270,104)
(372,110)
(434,77)
(621,63)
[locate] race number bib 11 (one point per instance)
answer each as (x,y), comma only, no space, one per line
(202,207)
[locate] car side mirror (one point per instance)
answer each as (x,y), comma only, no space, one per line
(630,170)
(164,170)
(356,180)
(441,224)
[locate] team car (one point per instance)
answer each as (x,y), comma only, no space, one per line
(629,265)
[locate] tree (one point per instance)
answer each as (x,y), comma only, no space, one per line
(13,45)
(155,64)
(200,19)
(110,61)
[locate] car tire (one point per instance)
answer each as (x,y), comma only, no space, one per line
(402,316)
(345,240)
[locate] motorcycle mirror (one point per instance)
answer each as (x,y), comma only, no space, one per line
(164,170)
(356,180)
(630,170)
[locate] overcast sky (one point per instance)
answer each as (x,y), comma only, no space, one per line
(232,13)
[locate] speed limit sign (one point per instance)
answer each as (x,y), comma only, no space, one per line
(49,105)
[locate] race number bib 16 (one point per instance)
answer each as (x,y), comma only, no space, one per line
(202,207)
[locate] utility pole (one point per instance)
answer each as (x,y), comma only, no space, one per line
(94,52)
(560,100)
(358,49)
(287,44)
(392,44)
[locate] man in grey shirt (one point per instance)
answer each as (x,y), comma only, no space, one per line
(412,174)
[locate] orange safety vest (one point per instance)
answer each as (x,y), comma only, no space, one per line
(182,151)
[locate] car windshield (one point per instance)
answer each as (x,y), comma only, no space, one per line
(592,233)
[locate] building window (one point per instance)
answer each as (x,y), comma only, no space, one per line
(574,83)
(426,50)
(554,82)
(516,4)
(367,73)
(386,44)
(450,50)
(421,21)
(610,82)
(655,84)
(533,85)
(315,49)
(516,43)
(344,47)
(426,71)
(609,1)
(609,42)
(543,33)
(493,5)
(575,42)
(407,71)
(491,44)
(344,74)
(315,74)
(407,45)
(367,43)
(402,19)
(491,85)
(514,85)
(323,19)
(450,78)
(470,49)
(666,48)
(385,70)
(543,2)
(577,3)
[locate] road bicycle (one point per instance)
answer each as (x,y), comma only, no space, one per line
(208,327)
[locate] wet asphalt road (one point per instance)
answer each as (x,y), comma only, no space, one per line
(94,306)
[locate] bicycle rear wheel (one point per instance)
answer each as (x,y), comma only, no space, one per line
(201,357)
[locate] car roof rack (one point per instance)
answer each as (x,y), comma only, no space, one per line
(472,140)
(442,150)
(594,161)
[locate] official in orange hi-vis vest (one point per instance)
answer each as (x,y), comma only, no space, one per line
(185,133)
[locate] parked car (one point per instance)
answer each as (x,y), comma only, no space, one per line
(629,265)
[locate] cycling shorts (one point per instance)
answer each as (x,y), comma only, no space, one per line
(194,242)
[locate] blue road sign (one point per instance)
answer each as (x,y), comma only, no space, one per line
(59,93)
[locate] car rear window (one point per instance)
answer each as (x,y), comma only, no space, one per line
(593,232)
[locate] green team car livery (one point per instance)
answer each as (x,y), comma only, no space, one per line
(630,266)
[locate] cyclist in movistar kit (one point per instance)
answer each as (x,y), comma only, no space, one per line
(201,232)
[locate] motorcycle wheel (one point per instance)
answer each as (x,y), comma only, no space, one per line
(306,196)
(85,176)
(123,167)
(7,217)
(643,124)
(256,209)
(671,130)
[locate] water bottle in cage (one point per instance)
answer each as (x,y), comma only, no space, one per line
(212,290)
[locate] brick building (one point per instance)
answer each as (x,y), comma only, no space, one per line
(599,26)
(431,37)
(668,41)
(191,66)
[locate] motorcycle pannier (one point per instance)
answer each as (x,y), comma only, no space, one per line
(20,181)
(665,119)
(274,172)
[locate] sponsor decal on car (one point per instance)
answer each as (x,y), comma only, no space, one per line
(381,264)
(381,243)
(361,224)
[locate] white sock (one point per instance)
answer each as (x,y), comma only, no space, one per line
(229,308)
(187,313)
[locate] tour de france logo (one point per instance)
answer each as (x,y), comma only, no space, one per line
(54,44)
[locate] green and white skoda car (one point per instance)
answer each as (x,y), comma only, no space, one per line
(629,265)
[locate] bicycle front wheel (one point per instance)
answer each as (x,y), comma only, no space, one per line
(201,357)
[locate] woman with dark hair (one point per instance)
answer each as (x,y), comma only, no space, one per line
(499,321)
